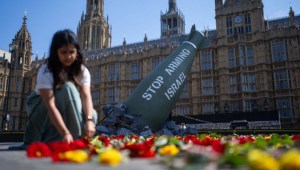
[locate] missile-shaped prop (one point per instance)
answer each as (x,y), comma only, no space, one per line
(155,96)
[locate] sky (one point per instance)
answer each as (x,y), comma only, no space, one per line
(131,19)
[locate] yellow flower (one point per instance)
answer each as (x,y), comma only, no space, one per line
(111,157)
(267,138)
(169,150)
(259,160)
(78,156)
(290,160)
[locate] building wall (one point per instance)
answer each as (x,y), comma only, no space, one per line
(4,73)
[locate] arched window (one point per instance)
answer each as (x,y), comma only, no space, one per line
(17,84)
(95,5)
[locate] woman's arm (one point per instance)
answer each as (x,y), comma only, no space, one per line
(87,103)
(54,114)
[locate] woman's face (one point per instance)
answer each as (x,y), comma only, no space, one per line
(67,54)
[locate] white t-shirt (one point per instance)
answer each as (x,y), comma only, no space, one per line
(45,78)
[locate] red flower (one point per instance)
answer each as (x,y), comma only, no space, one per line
(79,144)
(120,137)
(244,139)
(296,137)
(59,146)
(38,150)
(204,142)
(193,139)
(141,150)
(104,139)
(147,154)
(86,140)
(218,146)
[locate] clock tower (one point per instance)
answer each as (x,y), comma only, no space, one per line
(238,24)
(235,17)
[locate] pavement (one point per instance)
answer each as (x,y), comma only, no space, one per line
(14,160)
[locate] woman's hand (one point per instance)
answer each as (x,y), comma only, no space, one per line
(68,137)
(90,128)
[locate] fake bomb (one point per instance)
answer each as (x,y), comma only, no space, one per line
(155,96)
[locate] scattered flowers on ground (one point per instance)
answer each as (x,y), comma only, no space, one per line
(255,152)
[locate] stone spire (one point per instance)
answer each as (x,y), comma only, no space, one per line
(23,33)
(124,43)
(172,5)
(22,47)
(292,17)
(145,41)
(94,8)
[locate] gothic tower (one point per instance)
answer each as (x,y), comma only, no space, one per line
(172,22)
(235,17)
(21,48)
(21,51)
(93,30)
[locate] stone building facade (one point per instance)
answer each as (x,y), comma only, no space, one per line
(252,64)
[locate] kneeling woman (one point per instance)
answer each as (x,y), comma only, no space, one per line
(61,107)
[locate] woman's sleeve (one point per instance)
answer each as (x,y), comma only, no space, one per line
(86,77)
(44,79)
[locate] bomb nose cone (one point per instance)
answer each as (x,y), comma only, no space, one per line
(197,38)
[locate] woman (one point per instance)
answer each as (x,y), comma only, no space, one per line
(61,107)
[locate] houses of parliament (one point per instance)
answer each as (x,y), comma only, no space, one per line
(252,64)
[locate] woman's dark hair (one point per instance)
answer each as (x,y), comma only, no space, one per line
(61,38)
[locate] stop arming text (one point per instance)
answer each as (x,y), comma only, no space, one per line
(157,84)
